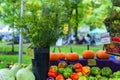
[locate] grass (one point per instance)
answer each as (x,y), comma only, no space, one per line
(11,59)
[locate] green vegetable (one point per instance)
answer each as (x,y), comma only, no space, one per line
(82,78)
(9,74)
(103,78)
(114,78)
(69,70)
(92,78)
(25,74)
(70,66)
(106,71)
(95,71)
(66,74)
(116,74)
(60,70)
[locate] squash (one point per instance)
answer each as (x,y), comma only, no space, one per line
(72,56)
(101,54)
(88,54)
(54,56)
(61,55)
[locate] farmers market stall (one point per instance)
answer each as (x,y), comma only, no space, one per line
(92,66)
(112,63)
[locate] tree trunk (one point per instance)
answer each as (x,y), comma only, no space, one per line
(13,40)
(76,26)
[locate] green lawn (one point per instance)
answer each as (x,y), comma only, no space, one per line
(11,59)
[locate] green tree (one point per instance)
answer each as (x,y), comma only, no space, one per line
(8,14)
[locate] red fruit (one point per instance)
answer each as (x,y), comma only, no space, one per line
(108,49)
(118,39)
(116,49)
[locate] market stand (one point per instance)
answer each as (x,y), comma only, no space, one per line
(113,48)
(113,26)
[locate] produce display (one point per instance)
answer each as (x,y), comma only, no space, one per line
(113,47)
(113,26)
(80,72)
(73,56)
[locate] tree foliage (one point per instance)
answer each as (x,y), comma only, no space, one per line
(54,13)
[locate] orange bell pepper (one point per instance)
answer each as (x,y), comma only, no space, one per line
(85,70)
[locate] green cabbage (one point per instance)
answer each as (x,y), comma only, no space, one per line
(9,74)
(25,74)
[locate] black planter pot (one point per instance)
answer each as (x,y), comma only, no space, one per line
(40,63)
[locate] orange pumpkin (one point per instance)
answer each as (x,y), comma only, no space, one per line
(101,54)
(73,56)
(88,54)
(61,55)
(54,56)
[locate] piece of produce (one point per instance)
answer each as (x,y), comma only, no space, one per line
(83,78)
(62,64)
(88,54)
(86,70)
(60,77)
(116,74)
(92,78)
(106,71)
(25,74)
(101,54)
(103,78)
(60,70)
(50,78)
(52,73)
(77,67)
(61,55)
(74,76)
(67,72)
(9,74)
(53,67)
(70,66)
(73,56)
(54,56)
(95,71)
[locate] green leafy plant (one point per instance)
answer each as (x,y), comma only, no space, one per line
(42,21)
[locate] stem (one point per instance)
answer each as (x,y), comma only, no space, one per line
(53,49)
(59,49)
(88,47)
(71,49)
(103,47)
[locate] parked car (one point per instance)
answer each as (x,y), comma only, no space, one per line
(25,39)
